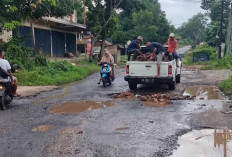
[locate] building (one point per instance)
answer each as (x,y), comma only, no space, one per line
(53,36)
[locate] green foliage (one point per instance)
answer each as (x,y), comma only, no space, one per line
(143,18)
(56,73)
(214,13)
(194,30)
(226,87)
(16,52)
(210,51)
(224,63)
(79,9)
(41,60)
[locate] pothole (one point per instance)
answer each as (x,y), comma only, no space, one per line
(205,143)
(42,128)
(204,92)
(81,106)
(123,128)
(3,132)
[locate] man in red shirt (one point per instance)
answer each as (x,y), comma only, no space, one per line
(172,47)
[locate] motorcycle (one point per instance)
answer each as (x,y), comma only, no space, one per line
(6,95)
(105,74)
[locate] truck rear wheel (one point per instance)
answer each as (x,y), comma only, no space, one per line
(178,78)
(172,86)
(132,86)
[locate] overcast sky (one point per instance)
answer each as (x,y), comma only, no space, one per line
(179,11)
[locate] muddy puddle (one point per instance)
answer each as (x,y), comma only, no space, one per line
(81,106)
(42,128)
(205,143)
(157,104)
(123,128)
(3,132)
(204,92)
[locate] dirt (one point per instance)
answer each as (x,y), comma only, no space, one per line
(25,91)
(123,128)
(81,106)
(154,100)
(42,128)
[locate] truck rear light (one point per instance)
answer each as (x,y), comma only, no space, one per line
(127,69)
(169,70)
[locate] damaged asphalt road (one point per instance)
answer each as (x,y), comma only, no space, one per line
(81,119)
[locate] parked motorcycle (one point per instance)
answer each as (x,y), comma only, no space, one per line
(6,95)
(105,74)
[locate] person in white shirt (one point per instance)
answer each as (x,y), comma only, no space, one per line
(5,65)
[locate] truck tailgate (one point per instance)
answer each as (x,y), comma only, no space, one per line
(147,69)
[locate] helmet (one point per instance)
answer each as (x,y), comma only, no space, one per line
(140,38)
(172,35)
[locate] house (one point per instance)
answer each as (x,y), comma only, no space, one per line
(53,36)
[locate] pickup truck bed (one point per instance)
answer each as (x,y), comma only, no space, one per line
(138,72)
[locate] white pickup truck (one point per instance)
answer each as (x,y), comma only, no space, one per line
(145,72)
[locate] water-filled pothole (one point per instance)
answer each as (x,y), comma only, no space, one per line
(81,106)
(42,128)
(205,143)
(204,92)
(123,128)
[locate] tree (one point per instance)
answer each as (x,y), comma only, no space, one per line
(146,19)
(214,9)
(8,15)
(195,29)
(101,18)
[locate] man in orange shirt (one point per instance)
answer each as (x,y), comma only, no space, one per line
(172,47)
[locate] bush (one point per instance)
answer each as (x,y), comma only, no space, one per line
(56,73)
(206,49)
(226,87)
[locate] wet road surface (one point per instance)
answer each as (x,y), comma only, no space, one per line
(81,119)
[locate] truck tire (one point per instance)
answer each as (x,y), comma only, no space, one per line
(172,86)
(132,86)
(178,78)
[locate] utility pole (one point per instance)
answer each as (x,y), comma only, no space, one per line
(220,31)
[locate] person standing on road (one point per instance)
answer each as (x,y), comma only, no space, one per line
(156,50)
(134,48)
(172,47)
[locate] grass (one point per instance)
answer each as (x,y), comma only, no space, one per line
(57,73)
(123,61)
(226,87)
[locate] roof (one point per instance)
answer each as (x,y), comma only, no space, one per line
(64,24)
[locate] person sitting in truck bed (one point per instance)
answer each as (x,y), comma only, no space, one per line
(156,50)
(172,47)
(134,48)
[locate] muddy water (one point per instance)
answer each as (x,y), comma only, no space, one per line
(157,104)
(42,128)
(3,132)
(205,143)
(204,92)
(81,106)
(124,128)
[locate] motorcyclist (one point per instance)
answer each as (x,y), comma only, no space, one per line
(107,58)
(5,65)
